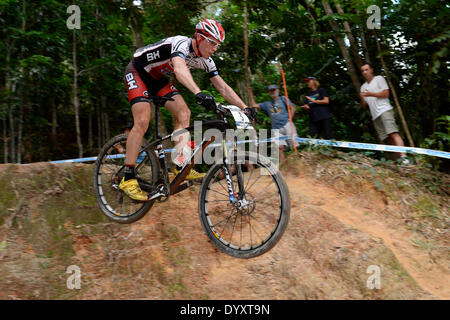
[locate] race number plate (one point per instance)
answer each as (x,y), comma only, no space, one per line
(242,121)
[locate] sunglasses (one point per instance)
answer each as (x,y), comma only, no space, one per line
(212,42)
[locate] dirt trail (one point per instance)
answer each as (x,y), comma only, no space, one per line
(430,276)
(333,235)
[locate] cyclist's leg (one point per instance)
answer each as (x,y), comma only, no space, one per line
(140,107)
(182,115)
(141,116)
(180,111)
(138,95)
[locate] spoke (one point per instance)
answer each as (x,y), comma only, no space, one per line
(226,195)
(265,190)
(240,240)
(254,183)
(225,224)
(235,183)
(267,217)
(222,211)
(218,181)
(227,218)
(259,223)
(251,227)
(249,178)
(232,230)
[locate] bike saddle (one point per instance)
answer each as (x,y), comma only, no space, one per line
(160,100)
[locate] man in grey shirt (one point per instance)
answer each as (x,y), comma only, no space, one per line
(279,116)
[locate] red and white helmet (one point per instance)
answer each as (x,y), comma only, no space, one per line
(210,28)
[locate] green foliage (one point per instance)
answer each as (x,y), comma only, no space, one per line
(440,139)
(37,68)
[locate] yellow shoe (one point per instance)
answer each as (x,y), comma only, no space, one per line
(192,175)
(133,190)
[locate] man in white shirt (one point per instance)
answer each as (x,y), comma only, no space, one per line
(375,94)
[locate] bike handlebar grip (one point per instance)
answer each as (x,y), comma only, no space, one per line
(251,113)
(206,100)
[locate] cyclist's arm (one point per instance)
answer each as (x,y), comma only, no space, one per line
(253,103)
(183,74)
(227,92)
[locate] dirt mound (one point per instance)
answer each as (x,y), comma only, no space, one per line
(343,226)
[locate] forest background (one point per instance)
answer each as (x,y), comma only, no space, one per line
(62,94)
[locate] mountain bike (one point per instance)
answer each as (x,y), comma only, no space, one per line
(244,209)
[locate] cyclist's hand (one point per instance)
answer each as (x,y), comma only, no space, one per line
(251,113)
(206,100)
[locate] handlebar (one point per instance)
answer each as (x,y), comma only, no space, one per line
(223,112)
(219,109)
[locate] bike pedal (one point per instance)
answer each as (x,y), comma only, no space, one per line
(156,195)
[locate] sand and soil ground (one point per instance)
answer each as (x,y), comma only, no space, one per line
(348,213)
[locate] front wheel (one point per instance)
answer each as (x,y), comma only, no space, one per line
(252,221)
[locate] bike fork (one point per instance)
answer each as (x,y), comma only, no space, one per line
(228,176)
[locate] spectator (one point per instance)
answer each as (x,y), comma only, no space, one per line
(279,116)
(375,93)
(320,117)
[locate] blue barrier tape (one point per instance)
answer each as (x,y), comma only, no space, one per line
(332,143)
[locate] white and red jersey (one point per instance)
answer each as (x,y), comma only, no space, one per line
(155,58)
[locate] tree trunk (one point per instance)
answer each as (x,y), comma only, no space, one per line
(364,41)
(108,134)
(5,142)
(248,89)
(23,97)
(100,140)
(90,133)
(138,42)
(340,40)
(365,49)
(19,135)
(13,135)
(76,101)
(54,120)
(106,121)
(394,93)
(163,18)
(353,44)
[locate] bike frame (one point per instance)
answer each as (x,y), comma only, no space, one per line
(175,186)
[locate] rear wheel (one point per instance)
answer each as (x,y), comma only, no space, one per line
(253,223)
(108,173)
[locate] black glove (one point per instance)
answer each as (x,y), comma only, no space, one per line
(251,113)
(206,100)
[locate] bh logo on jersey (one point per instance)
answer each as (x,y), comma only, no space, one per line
(131,82)
(152,55)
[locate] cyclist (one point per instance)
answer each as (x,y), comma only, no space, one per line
(147,75)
